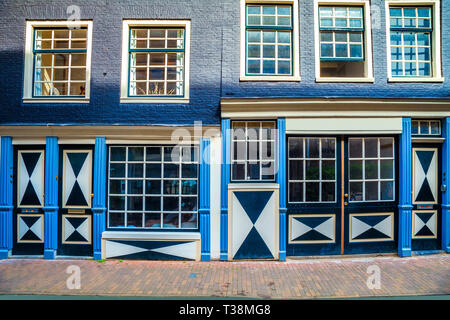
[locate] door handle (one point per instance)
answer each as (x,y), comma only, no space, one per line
(345,203)
(346,195)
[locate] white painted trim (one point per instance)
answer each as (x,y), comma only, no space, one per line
(367,40)
(233,186)
(29,68)
(28,141)
(435,45)
(150,235)
(150,142)
(126,24)
(215,200)
(295,43)
(76,141)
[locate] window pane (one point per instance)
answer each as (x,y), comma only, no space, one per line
(371,169)
(152,203)
(116,203)
(188,204)
(135,170)
(117,170)
(134,219)
(189,187)
(171,170)
(153,170)
(153,220)
(296,169)
(312,191)
(387,190)
(386,148)
(170,203)
(371,192)
(295,147)
(153,186)
(312,148)
(328,192)
(328,170)
(355,169)
(170,220)
(118,154)
(296,192)
(135,187)
(312,170)
(355,148)
(134,203)
(189,220)
(356,191)
(117,186)
(386,169)
(116,219)
(370,148)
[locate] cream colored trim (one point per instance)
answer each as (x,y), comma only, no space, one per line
(126,24)
(343,125)
(112,132)
(348,108)
(41,196)
(427,140)
(371,214)
(63,195)
(436,40)
(75,141)
(295,44)
(311,241)
(28,71)
(367,40)
(150,235)
(147,142)
(28,141)
(215,195)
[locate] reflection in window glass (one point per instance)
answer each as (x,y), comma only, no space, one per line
(371,167)
(153,187)
(312,169)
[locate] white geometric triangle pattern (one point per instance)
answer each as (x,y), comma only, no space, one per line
(419,224)
(298,229)
(185,250)
(326,228)
(264,225)
(241,225)
(83,178)
(385,226)
(83,229)
(116,249)
(358,227)
(25,229)
(420,176)
(35,179)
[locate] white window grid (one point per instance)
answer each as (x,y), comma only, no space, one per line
(260,142)
(416,47)
(347,16)
(51,45)
(277,44)
(402,16)
(378,159)
(347,42)
(320,180)
(180,179)
(277,15)
(152,86)
(420,124)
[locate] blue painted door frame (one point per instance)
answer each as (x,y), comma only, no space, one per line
(282,182)
(99,199)
(51,197)
(446,181)
(204,208)
(6,196)
(225,180)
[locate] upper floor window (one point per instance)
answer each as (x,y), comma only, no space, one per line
(57,61)
(253,151)
(270,49)
(156,61)
(414,52)
(343,43)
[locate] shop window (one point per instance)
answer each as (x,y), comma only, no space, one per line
(153,187)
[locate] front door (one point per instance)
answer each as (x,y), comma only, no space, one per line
(28,217)
(426,197)
(75,217)
(342,195)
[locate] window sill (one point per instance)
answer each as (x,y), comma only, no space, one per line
(345,79)
(153,100)
(150,235)
(55,100)
(271,78)
(440,79)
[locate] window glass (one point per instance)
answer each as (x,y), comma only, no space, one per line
(156,62)
(341,36)
(371,167)
(153,187)
(411,33)
(312,169)
(253,150)
(269,40)
(59,62)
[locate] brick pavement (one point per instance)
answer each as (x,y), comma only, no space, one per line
(306,278)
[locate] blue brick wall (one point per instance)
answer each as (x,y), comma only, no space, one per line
(215,60)
(105,106)
(232,87)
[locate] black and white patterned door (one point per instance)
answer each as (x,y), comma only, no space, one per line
(28,219)
(75,219)
(426,213)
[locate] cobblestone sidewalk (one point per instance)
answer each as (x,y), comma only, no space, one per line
(306,278)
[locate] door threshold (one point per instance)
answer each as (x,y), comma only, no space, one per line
(74,257)
(426,252)
(26,256)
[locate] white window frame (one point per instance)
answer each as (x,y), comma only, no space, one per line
(368,66)
(295,42)
(126,25)
(436,65)
(29,67)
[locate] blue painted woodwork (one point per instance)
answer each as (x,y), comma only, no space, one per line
(204,209)
(405,189)
(445,181)
(225,180)
(99,199)
(6,196)
(282,182)
(51,198)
